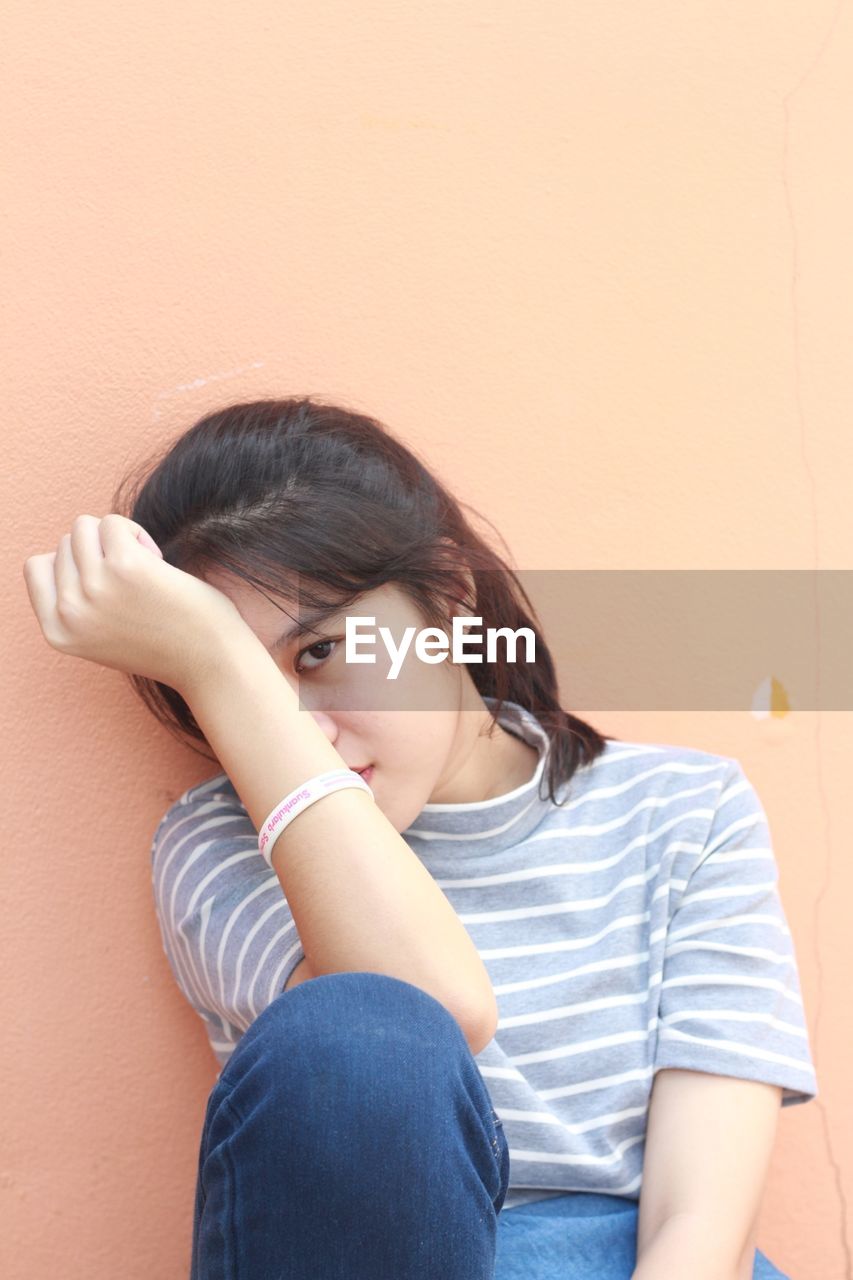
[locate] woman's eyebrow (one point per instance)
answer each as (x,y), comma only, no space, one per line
(303,627)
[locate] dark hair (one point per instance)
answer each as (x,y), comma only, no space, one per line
(277,488)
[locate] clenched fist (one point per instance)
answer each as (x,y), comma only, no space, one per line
(107,595)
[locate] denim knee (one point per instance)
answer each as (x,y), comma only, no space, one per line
(340,1009)
(361,1044)
(351,1134)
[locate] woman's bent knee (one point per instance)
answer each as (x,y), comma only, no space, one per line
(364,1054)
(358,1102)
(346,1014)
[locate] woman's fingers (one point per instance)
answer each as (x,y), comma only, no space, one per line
(117,534)
(65,573)
(41,585)
(145,540)
(101,596)
(86,549)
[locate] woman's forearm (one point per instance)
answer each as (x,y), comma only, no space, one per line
(686,1245)
(361,899)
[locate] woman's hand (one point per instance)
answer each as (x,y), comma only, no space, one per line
(107,595)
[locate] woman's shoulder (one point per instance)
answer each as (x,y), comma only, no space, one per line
(630,748)
(215,796)
(628,758)
(633,782)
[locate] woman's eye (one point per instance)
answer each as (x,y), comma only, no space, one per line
(319,644)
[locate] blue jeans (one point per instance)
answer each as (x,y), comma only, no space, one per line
(579,1236)
(351,1137)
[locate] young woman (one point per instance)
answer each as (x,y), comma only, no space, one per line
(526,1004)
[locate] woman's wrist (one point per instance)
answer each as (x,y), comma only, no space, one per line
(251,717)
(225,656)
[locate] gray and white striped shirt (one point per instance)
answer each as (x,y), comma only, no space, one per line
(635,926)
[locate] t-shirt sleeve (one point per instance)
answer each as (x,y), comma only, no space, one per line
(730,1000)
(226,928)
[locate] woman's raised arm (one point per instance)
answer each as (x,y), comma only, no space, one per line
(361,898)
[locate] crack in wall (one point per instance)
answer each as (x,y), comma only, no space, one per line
(823,890)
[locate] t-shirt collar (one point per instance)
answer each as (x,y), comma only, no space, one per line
(488,826)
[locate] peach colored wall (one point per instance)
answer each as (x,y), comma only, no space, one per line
(593,260)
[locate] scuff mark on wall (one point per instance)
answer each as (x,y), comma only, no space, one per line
(203,382)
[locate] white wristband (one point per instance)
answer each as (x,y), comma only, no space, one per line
(314,789)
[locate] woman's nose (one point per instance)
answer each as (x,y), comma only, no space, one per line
(327,724)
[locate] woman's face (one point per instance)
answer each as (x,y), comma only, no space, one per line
(423,732)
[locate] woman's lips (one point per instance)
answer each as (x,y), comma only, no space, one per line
(367,773)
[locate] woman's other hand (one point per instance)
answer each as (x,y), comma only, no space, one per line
(107,595)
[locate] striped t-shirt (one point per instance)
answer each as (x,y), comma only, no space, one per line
(636,925)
